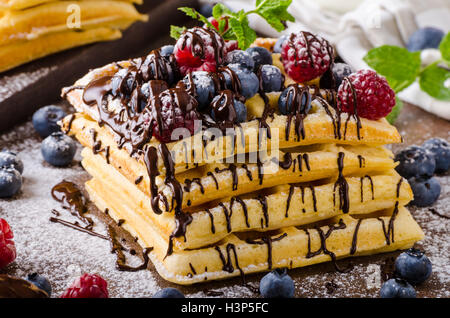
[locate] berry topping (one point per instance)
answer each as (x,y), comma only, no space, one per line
(426,191)
(45,120)
(340,70)
(10,159)
(231,46)
(271,77)
(260,56)
(7,247)
(199,49)
(294,100)
(440,148)
(166,50)
(306,56)
(215,23)
(226,109)
(201,86)
(40,282)
(425,38)
(240,57)
(58,149)
(413,266)
(397,288)
(247,81)
(277,284)
(415,161)
(168,293)
(374,97)
(87,286)
(174,108)
(279,43)
(10,182)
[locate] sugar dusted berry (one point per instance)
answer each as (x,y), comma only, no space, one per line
(10,159)
(374,97)
(10,182)
(260,56)
(40,282)
(306,56)
(168,293)
(397,288)
(87,286)
(413,266)
(7,247)
(277,284)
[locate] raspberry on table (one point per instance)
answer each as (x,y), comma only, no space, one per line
(7,247)
(306,56)
(87,286)
(374,97)
(199,49)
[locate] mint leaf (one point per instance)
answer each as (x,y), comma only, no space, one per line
(219,10)
(176,31)
(432,81)
(243,33)
(444,47)
(398,65)
(392,117)
(275,12)
(190,12)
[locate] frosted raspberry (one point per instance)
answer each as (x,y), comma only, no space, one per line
(87,286)
(306,56)
(374,97)
(7,247)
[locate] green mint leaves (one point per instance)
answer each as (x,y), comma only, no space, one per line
(401,68)
(273,11)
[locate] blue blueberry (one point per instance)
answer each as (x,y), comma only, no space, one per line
(206,9)
(285,102)
(117,80)
(340,70)
(425,38)
(260,56)
(413,266)
(272,79)
(440,148)
(168,293)
(10,182)
(426,191)
(240,57)
(415,161)
(40,282)
(240,109)
(397,288)
(204,87)
(280,41)
(45,119)
(10,159)
(58,149)
(277,284)
(249,81)
(166,50)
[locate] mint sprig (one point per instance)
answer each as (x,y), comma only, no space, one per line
(273,11)
(402,68)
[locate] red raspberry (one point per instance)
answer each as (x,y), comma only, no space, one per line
(216,24)
(87,286)
(7,247)
(306,56)
(199,49)
(174,108)
(374,97)
(231,45)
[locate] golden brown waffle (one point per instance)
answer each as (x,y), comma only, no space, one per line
(23,4)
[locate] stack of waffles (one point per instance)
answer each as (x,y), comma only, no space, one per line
(30,29)
(275,191)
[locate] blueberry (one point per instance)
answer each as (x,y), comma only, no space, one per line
(10,182)
(272,79)
(58,149)
(340,70)
(426,191)
(45,119)
(240,57)
(413,266)
(415,161)
(206,9)
(280,41)
(440,148)
(425,38)
(240,109)
(397,288)
(10,159)
(166,50)
(285,102)
(204,87)
(249,81)
(40,282)
(277,284)
(117,80)
(260,56)
(168,293)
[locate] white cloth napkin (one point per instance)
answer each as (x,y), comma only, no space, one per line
(356,26)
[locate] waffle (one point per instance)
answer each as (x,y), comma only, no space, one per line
(23,4)
(303,190)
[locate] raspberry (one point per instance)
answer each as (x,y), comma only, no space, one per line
(374,97)
(87,286)
(306,56)
(7,247)
(216,24)
(199,49)
(174,108)
(230,45)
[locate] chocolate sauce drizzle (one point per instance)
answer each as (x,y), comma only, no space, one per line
(342,186)
(268,240)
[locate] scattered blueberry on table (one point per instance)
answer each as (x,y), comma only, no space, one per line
(45,120)
(415,161)
(440,148)
(277,284)
(10,182)
(10,159)
(40,282)
(413,266)
(426,191)
(397,288)
(58,149)
(169,293)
